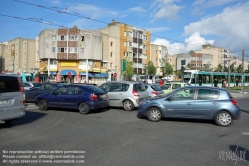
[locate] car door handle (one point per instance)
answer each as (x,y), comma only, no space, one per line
(215,103)
(188,103)
(120,94)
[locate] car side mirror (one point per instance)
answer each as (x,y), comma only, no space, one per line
(168,99)
(52,93)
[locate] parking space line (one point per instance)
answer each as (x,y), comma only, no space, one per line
(245,133)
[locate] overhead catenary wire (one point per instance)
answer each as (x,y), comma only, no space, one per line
(84,17)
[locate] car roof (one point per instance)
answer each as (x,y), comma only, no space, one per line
(129,82)
(10,75)
(203,87)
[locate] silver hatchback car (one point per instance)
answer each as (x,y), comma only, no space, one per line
(154,90)
(126,94)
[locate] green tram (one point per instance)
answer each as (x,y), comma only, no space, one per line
(193,76)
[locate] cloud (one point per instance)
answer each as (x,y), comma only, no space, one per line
(165,9)
(55,2)
(194,42)
(158,29)
(92,10)
(197,11)
(137,9)
(231,26)
(212,3)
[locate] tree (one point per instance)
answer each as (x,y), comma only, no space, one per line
(165,64)
(232,68)
(206,67)
(151,69)
(189,65)
(239,69)
(247,70)
(179,74)
(225,69)
(219,68)
(128,73)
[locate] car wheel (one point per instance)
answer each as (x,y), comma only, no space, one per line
(154,114)
(43,105)
(224,119)
(84,108)
(128,105)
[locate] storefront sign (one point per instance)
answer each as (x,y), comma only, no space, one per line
(68,64)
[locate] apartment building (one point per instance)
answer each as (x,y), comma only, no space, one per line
(19,55)
(126,43)
(73,52)
(159,53)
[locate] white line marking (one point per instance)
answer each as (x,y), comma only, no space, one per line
(245,133)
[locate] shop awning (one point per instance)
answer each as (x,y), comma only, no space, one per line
(103,75)
(89,74)
(65,72)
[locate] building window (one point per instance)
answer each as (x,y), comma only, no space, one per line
(130,44)
(62,38)
(53,38)
(124,53)
(140,36)
(52,61)
(159,51)
(125,43)
(111,43)
(103,64)
(145,37)
(61,50)
(110,64)
(94,64)
(156,51)
(82,50)
(130,34)
(72,50)
(53,49)
(124,33)
(110,54)
(83,62)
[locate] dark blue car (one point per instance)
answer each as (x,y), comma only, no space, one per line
(195,102)
(82,97)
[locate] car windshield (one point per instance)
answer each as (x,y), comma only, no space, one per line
(156,87)
(95,89)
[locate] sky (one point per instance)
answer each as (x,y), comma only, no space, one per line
(180,25)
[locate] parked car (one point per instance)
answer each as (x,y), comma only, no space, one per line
(85,84)
(29,85)
(126,94)
(193,102)
(11,98)
(82,97)
(171,86)
(154,90)
(31,94)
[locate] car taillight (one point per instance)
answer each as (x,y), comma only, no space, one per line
(234,102)
(93,97)
(134,92)
(23,98)
(154,93)
(21,88)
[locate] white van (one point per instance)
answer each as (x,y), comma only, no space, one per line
(11,97)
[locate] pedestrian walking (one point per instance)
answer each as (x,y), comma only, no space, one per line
(200,82)
(224,83)
(215,82)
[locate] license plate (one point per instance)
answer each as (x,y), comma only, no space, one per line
(4,102)
(103,96)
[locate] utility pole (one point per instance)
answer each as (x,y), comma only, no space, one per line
(242,83)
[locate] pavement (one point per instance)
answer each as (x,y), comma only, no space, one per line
(239,93)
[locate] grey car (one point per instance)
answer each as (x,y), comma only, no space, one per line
(154,90)
(194,102)
(11,97)
(126,94)
(29,85)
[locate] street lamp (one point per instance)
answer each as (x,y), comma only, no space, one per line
(228,81)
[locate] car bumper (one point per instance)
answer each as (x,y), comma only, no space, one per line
(98,104)
(13,113)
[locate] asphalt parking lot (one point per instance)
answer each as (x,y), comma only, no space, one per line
(116,137)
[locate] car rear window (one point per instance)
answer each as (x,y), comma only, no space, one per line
(95,89)
(9,84)
(139,87)
(156,87)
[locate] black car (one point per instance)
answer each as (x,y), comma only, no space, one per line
(31,94)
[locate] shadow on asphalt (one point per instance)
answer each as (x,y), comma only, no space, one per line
(244,111)
(96,111)
(29,117)
(240,152)
(182,120)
